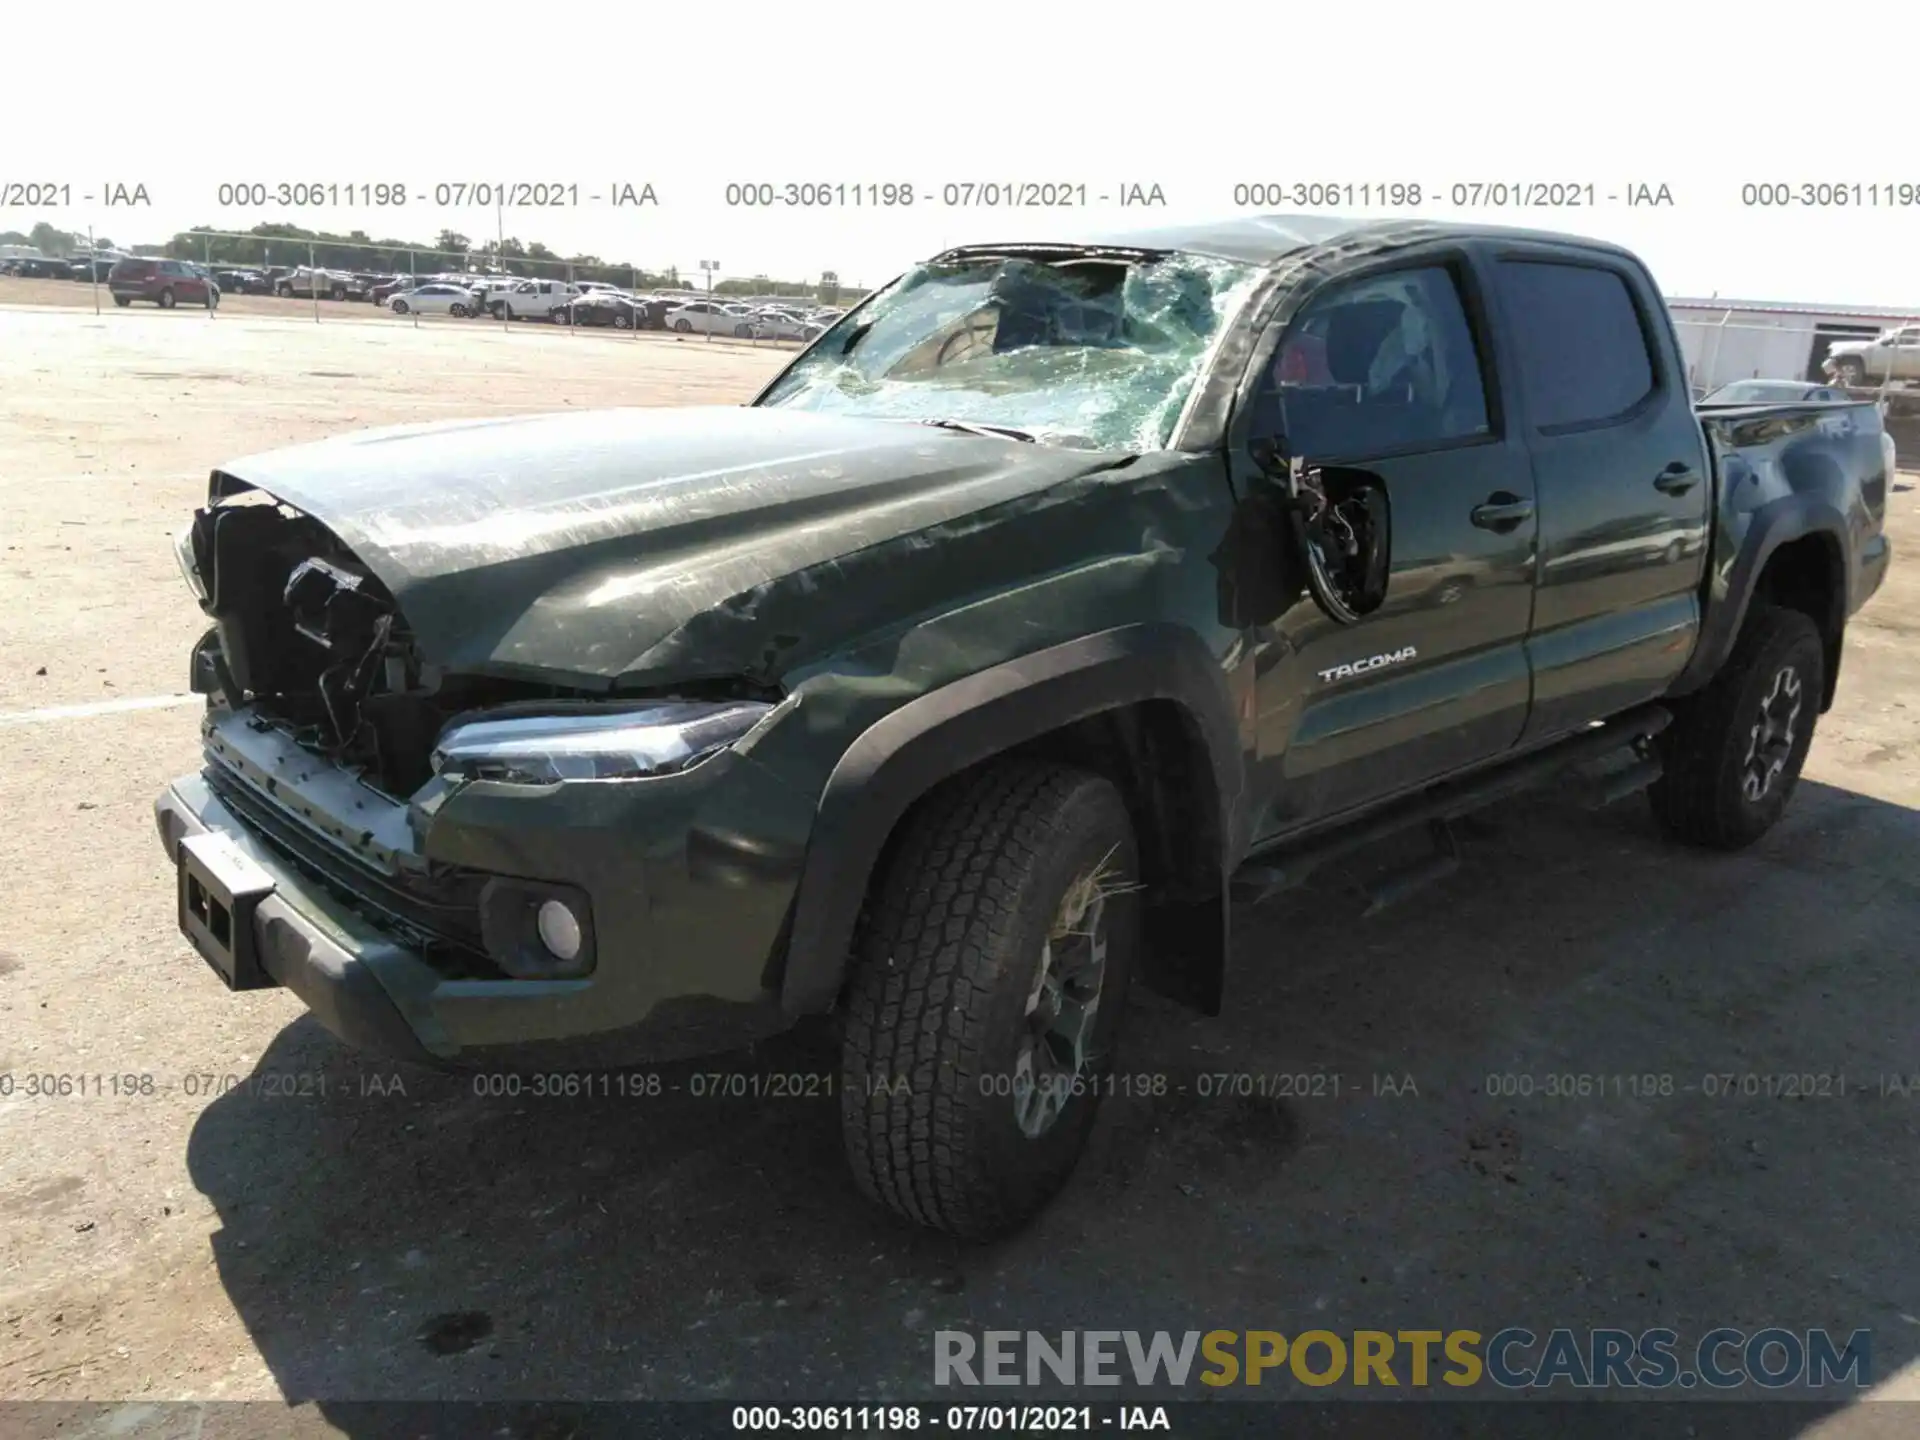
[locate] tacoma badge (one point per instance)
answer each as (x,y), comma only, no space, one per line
(1372,662)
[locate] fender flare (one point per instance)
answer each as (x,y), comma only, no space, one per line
(1779,522)
(902,756)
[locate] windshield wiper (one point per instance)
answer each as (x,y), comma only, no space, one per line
(974,427)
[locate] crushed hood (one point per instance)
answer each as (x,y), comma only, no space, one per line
(571,546)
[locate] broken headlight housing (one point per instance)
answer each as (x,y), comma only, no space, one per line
(189,563)
(659,739)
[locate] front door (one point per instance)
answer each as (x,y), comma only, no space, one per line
(1392,374)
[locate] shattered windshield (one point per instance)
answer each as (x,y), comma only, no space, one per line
(1086,351)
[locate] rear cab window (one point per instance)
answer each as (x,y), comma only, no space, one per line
(1584,350)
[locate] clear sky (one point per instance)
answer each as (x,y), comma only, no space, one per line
(1198,98)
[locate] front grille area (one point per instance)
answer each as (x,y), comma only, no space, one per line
(438,915)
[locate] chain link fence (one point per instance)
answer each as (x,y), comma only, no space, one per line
(1737,344)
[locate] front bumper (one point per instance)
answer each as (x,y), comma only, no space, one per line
(653,997)
(329,959)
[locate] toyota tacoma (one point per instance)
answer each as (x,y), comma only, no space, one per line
(1057,598)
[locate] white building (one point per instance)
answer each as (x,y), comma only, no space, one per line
(1727,340)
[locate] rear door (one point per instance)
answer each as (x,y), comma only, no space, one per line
(1621,469)
(1396,373)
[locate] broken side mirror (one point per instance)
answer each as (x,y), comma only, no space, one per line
(1344,526)
(1339,529)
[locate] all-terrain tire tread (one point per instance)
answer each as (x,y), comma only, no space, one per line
(935,942)
(1691,800)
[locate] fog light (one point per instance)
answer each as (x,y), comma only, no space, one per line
(559,929)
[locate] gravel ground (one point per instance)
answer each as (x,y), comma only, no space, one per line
(331,1228)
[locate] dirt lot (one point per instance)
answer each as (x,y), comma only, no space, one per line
(348,1241)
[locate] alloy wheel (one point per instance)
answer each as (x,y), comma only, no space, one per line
(1770,741)
(1062,1007)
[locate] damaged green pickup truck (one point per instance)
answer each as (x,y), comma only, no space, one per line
(1055,598)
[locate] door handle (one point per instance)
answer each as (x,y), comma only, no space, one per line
(1502,512)
(1676,479)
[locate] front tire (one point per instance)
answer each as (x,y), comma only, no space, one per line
(1734,752)
(457,310)
(991,979)
(399,307)
(1852,373)
(685,327)
(166,299)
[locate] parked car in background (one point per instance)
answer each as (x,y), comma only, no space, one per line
(485,290)
(1768,392)
(96,266)
(709,317)
(774,325)
(601,308)
(47,267)
(439,298)
(531,299)
(165,283)
(1891,355)
(305,283)
(394,285)
(616,309)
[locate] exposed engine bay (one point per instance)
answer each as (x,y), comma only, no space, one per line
(311,639)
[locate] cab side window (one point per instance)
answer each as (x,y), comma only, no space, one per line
(1583,351)
(1385,363)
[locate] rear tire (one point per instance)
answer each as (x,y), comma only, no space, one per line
(123,301)
(166,298)
(991,981)
(1733,754)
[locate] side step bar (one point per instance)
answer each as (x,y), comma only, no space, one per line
(1288,864)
